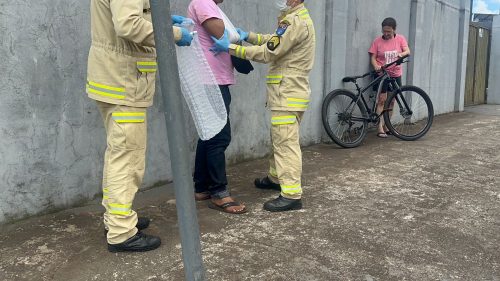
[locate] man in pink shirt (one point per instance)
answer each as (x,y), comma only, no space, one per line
(210,179)
(384,50)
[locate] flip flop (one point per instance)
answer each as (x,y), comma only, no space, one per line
(223,207)
(382,135)
(202,196)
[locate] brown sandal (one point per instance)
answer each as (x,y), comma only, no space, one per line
(224,207)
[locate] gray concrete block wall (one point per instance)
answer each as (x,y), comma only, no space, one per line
(494,81)
(50,133)
(364,25)
(435,52)
(53,140)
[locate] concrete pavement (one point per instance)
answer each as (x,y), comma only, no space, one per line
(388,210)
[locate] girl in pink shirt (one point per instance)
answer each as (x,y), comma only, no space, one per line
(384,50)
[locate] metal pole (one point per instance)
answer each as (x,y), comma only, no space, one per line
(412,41)
(471,18)
(463,41)
(172,101)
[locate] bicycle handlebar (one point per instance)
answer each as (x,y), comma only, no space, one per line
(398,62)
(384,68)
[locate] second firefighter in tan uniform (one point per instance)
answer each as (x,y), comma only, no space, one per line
(290,53)
(121,78)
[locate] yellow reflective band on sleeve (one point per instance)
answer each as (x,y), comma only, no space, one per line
(259,39)
(274,79)
(283,120)
(120,209)
(301,103)
(241,52)
(273,172)
(146,66)
(105,90)
(291,189)
(129,117)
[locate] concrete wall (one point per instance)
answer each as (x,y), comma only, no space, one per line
(436,55)
(52,140)
(494,81)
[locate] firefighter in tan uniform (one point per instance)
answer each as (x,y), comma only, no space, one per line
(121,78)
(290,53)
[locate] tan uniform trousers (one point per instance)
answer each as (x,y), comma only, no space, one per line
(124,164)
(285,163)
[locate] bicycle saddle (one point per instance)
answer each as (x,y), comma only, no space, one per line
(350,79)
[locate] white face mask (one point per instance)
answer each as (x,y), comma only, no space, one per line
(282,6)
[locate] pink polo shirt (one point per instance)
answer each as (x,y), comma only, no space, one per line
(222,67)
(387,51)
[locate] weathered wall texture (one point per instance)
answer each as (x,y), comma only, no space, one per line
(52,138)
(436,51)
(494,81)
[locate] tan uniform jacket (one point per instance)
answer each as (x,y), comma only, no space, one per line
(122,59)
(290,52)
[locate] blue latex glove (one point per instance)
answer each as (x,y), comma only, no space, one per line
(221,45)
(178,19)
(243,34)
(186,38)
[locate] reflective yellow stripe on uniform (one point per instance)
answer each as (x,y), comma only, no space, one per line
(272,172)
(105,90)
(301,103)
(274,79)
(146,66)
(291,189)
(120,209)
(283,120)
(129,117)
(105,193)
(304,14)
(241,52)
(259,39)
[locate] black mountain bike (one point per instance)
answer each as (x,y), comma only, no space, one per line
(408,111)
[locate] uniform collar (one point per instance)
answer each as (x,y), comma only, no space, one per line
(291,11)
(297,8)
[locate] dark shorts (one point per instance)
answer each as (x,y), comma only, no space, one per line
(385,87)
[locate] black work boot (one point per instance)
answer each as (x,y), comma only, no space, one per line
(282,204)
(142,223)
(266,183)
(140,242)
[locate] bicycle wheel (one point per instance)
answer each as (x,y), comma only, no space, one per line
(344,119)
(408,113)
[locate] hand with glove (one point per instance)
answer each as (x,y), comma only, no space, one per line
(186,38)
(221,45)
(243,34)
(176,19)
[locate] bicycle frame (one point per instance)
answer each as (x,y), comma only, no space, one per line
(393,86)
(360,91)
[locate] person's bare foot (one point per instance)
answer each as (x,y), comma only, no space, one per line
(236,208)
(382,135)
